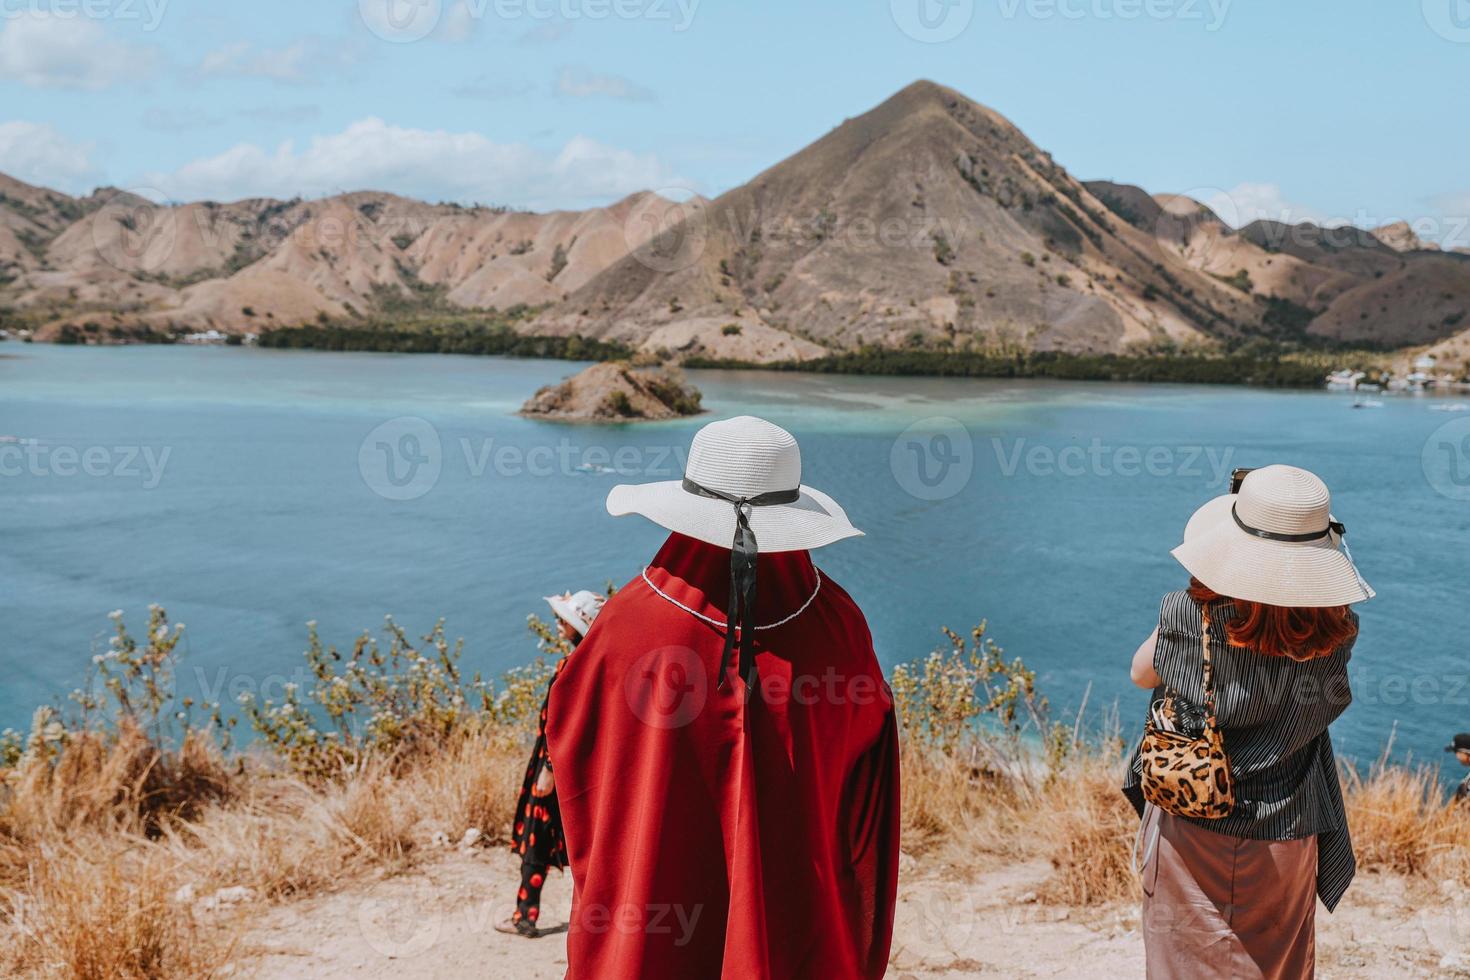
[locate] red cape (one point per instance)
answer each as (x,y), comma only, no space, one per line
(713,838)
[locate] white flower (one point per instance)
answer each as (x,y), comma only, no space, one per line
(116,614)
(97,659)
(162,633)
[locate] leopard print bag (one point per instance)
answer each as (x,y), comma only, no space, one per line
(1188,775)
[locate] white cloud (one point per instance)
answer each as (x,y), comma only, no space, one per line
(43,51)
(579,83)
(38,154)
(241,58)
(493,88)
(280,114)
(178,119)
(429,164)
(1247,202)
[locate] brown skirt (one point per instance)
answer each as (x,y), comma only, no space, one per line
(1217,906)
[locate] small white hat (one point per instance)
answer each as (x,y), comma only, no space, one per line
(740,459)
(1274,542)
(577,610)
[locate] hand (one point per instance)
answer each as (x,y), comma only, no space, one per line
(545,783)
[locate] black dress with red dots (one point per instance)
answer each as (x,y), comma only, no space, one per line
(537,834)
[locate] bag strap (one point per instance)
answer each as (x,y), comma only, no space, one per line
(1209,671)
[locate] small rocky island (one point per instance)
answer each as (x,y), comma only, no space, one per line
(617,391)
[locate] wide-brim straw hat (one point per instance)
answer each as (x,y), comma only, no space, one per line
(1274,542)
(577,610)
(740,458)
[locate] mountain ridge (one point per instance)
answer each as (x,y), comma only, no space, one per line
(928,222)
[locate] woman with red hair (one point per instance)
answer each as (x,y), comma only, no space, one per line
(1244,827)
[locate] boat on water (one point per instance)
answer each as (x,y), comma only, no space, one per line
(1344,380)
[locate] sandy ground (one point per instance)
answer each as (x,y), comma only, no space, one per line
(435,923)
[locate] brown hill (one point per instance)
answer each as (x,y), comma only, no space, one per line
(125,262)
(929,221)
(1384,288)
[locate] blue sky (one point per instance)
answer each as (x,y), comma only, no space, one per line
(1355,110)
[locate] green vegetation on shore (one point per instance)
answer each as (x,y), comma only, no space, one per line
(451,335)
(1283,370)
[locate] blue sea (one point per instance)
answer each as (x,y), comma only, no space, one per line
(249,491)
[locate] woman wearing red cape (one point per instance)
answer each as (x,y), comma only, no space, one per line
(729,789)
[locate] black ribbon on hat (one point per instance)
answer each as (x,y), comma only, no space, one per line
(743,554)
(1275,536)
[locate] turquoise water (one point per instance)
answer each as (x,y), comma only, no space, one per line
(248,491)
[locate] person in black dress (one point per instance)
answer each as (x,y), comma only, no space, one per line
(537,833)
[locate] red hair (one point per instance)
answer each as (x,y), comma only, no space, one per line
(1301,633)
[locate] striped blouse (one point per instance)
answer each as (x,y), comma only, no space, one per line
(1273,713)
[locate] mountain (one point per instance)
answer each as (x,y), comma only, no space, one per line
(1383,288)
(117,265)
(929,222)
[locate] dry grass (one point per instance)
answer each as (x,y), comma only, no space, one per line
(114,847)
(95,890)
(969,817)
(121,781)
(103,908)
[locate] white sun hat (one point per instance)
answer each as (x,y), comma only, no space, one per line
(577,610)
(1275,542)
(740,459)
